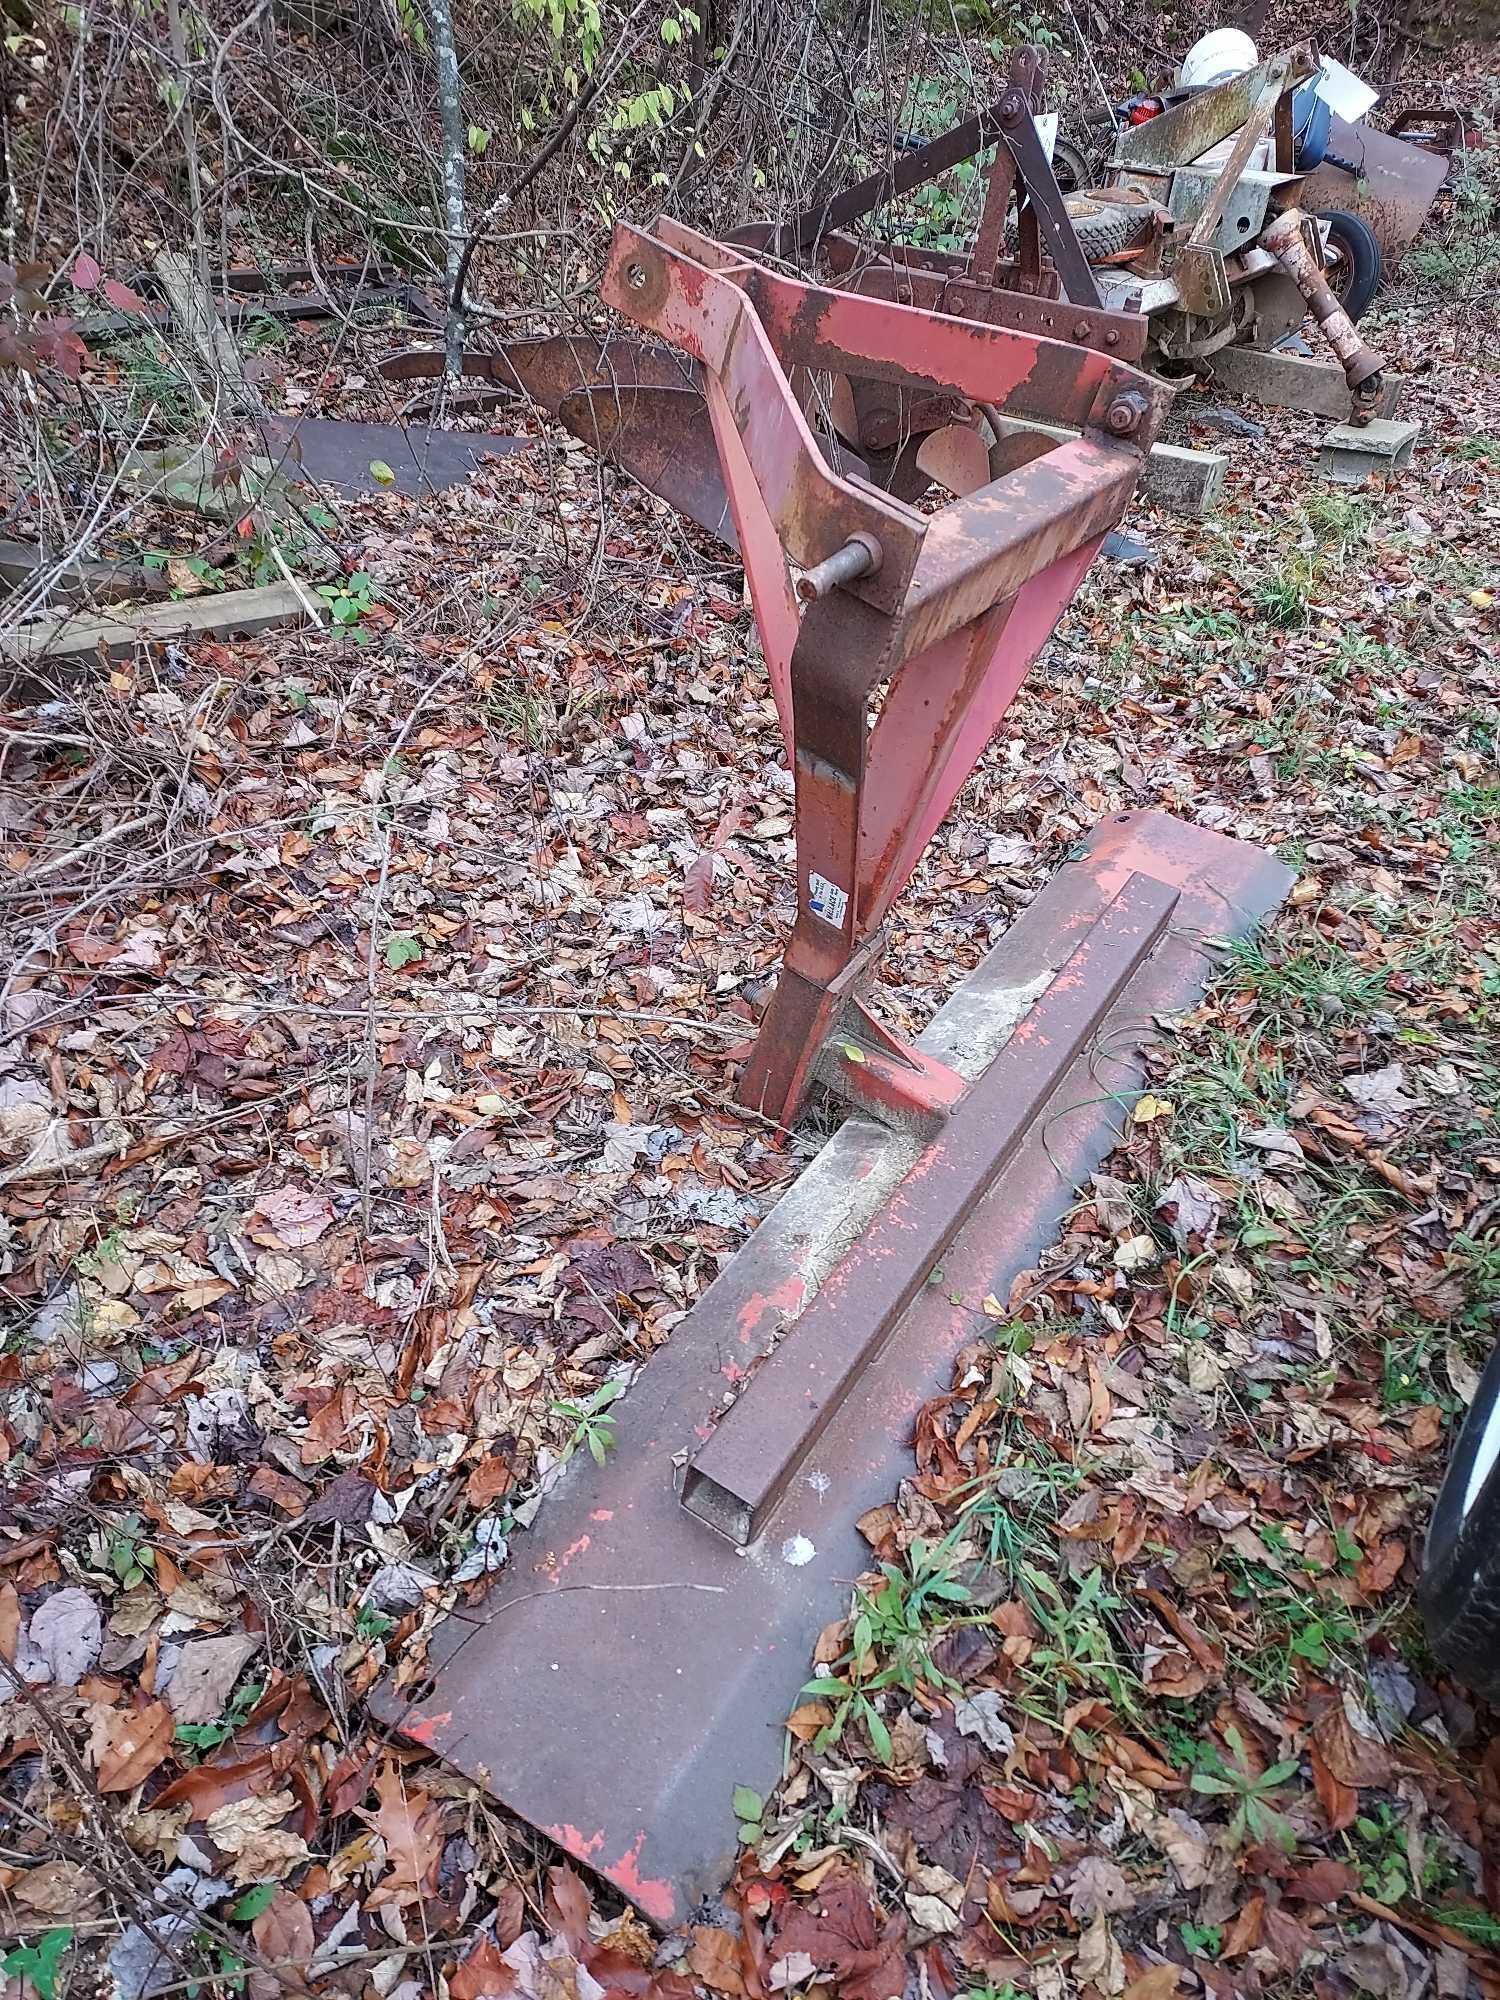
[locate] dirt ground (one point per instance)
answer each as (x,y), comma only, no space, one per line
(371,1006)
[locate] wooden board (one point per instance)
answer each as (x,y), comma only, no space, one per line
(71,638)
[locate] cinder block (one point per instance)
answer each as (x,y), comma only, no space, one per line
(1183,481)
(1351,452)
(1295,382)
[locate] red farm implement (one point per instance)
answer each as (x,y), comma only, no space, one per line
(905,570)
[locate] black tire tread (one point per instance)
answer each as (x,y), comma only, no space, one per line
(1367,267)
(1460,1587)
(1103,227)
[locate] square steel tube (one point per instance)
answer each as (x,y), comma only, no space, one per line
(738,1476)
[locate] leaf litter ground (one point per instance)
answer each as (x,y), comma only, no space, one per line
(369,1037)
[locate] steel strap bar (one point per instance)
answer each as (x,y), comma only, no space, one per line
(738,1476)
(886,183)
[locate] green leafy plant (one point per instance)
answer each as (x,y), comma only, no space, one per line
(1384,1869)
(209,1735)
(1078,1648)
(40,1962)
(245,1909)
(1472,1921)
(122,1551)
(401,951)
(890,1641)
(1253,1818)
(592,1424)
(749,1810)
(348,602)
(1203,1940)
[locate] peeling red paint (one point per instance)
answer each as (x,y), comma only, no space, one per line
(788,1297)
(654,1896)
(602,1514)
(424,1727)
(582,1846)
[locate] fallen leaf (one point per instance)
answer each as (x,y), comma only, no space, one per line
(933,1914)
(250,1834)
(129,1743)
(714,1957)
(1191,1209)
(1160,1983)
(10,1622)
(569,1907)
(979,1715)
(67,1633)
(283,1934)
(291,1217)
(411,1824)
(205,1674)
(483,1975)
(1149,1108)
(56,1889)
(1186,1844)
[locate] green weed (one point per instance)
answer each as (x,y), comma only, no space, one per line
(209,1735)
(593,1424)
(1254,1818)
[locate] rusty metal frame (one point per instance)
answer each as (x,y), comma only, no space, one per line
(983,285)
(860,597)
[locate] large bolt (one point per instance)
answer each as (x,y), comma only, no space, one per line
(1125,413)
(1080,329)
(860,556)
(636,276)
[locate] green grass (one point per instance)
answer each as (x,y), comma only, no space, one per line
(1302,979)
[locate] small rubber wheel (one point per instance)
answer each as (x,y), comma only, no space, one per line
(1460,1588)
(1104,224)
(1355,279)
(1070,166)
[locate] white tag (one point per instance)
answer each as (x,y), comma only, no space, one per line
(827,900)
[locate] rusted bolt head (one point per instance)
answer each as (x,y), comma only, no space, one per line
(1080,329)
(1111,339)
(1124,414)
(637,277)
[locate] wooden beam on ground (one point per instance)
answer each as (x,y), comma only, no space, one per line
(231,611)
(77,581)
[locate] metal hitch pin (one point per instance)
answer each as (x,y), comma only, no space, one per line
(860,556)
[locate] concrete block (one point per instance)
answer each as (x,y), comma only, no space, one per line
(1352,452)
(1183,481)
(1295,382)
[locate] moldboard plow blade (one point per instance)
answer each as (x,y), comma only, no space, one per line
(637,1662)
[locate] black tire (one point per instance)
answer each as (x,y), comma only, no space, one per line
(1460,1588)
(1070,166)
(1355,279)
(1103,226)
